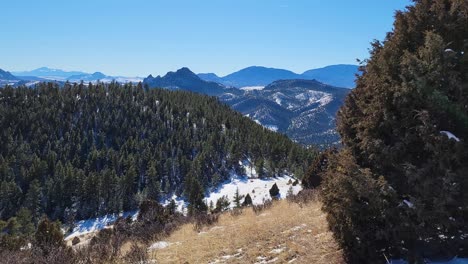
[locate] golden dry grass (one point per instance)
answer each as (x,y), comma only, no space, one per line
(285,233)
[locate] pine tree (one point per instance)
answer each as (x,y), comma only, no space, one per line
(397,128)
(237,198)
(195,197)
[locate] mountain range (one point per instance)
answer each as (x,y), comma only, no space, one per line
(336,75)
(302,106)
(302,109)
(47,74)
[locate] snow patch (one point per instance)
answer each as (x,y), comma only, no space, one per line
(159,245)
(252,88)
(95,224)
(450,135)
(408,203)
(257,188)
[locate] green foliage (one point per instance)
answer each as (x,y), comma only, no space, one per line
(357,203)
(48,235)
(195,195)
(81,151)
(413,87)
(237,198)
(222,204)
(313,176)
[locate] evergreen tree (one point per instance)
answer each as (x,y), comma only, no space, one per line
(274,191)
(247,200)
(404,126)
(237,198)
(195,197)
(222,204)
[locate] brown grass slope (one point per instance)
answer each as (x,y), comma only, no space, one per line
(286,233)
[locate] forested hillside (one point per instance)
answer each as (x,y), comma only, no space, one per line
(80,151)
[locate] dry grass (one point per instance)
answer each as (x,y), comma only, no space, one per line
(286,233)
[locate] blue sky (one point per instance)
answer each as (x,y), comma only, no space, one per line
(136,38)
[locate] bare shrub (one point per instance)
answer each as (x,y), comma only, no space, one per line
(137,254)
(304,197)
(236,211)
(261,207)
(202,220)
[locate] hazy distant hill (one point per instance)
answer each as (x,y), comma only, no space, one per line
(185,79)
(49,73)
(335,75)
(7,76)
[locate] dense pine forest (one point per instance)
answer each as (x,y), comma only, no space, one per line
(79,151)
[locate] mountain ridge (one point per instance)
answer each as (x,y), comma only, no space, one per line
(302,109)
(340,75)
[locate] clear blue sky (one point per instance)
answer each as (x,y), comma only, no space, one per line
(136,38)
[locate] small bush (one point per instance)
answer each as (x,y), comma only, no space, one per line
(274,191)
(202,220)
(260,207)
(137,254)
(236,211)
(305,196)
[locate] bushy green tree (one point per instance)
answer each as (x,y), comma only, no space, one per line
(405,127)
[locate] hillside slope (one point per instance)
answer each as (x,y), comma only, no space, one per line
(99,149)
(304,110)
(286,233)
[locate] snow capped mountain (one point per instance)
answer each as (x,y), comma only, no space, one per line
(302,109)
(50,74)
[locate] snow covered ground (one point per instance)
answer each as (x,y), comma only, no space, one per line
(94,224)
(252,88)
(247,183)
(257,188)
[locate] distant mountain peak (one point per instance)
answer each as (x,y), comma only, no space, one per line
(7,76)
(341,75)
(184,79)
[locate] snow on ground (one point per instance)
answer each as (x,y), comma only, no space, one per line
(181,204)
(94,224)
(250,184)
(251,88)
(159,245)
(257,188)
(450,135)
(273,128)
(247,183)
